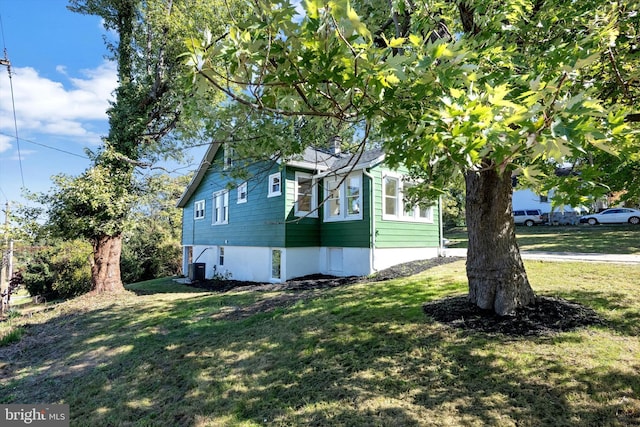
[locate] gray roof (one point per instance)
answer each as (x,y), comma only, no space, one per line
(357,161)
(313,159)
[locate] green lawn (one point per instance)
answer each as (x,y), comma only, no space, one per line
(612,239)
(359,355)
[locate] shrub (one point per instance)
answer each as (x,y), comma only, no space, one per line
(149,255)
(60,271)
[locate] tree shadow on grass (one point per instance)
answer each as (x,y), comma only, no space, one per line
(351,356)
(612,308)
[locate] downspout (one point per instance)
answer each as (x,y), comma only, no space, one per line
(372,240)
(441,249)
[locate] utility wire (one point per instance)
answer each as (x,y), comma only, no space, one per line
(47,146)
(6,62)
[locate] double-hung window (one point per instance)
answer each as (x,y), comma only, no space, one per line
(343,197)
(275,185)
(305,194)
(396,207)
(198,209)
(220,207)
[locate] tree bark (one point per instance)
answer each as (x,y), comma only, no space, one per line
(497,277)
(105,269)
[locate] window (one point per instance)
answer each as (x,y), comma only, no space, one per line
(220,207)
(332,206)
(396,206)
(275,185)
(391,196)
(229,153)
(544,199)
(353,186)
(242,193)
(343,197)
(305,194)
(418,212)
(198,209)
(276,264)
(221,255)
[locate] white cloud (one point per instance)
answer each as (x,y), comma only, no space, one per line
(5,143)
(46,106)
(22,155)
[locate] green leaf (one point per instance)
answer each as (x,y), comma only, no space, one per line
(397,42)
(357,23)
(583,62)
(311,7)
(442,50)
(415,40)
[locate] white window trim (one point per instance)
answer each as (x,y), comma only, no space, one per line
(196,210)
(314,198)
(344,215)
(272,177)
(243,188)
(225,204)
(400,206)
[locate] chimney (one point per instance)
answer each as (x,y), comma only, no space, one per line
(335,144)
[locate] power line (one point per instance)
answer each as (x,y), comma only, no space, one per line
(47,146)
(7,63)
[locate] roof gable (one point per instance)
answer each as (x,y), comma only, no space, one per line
(207,160)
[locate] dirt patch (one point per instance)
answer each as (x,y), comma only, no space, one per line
(304,288)
(320,281)
(547,316)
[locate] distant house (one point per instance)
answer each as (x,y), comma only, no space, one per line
(526,199)
(315,213)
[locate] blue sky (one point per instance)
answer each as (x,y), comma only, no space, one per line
(61,87)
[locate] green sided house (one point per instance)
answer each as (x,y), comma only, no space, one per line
(319,212)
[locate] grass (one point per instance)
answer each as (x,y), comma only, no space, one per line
(603,239)
(359,355)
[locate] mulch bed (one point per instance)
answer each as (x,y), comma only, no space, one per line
(547,316)
(321,281)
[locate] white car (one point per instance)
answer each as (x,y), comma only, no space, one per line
(613,216)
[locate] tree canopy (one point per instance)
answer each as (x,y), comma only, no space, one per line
(452,85)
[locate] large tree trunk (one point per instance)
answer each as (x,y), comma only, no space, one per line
(496,274)
(105,269)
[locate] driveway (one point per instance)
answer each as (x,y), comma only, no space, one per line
(561,256)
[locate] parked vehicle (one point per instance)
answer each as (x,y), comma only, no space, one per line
(528,217)
(562,218)
(613,216)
